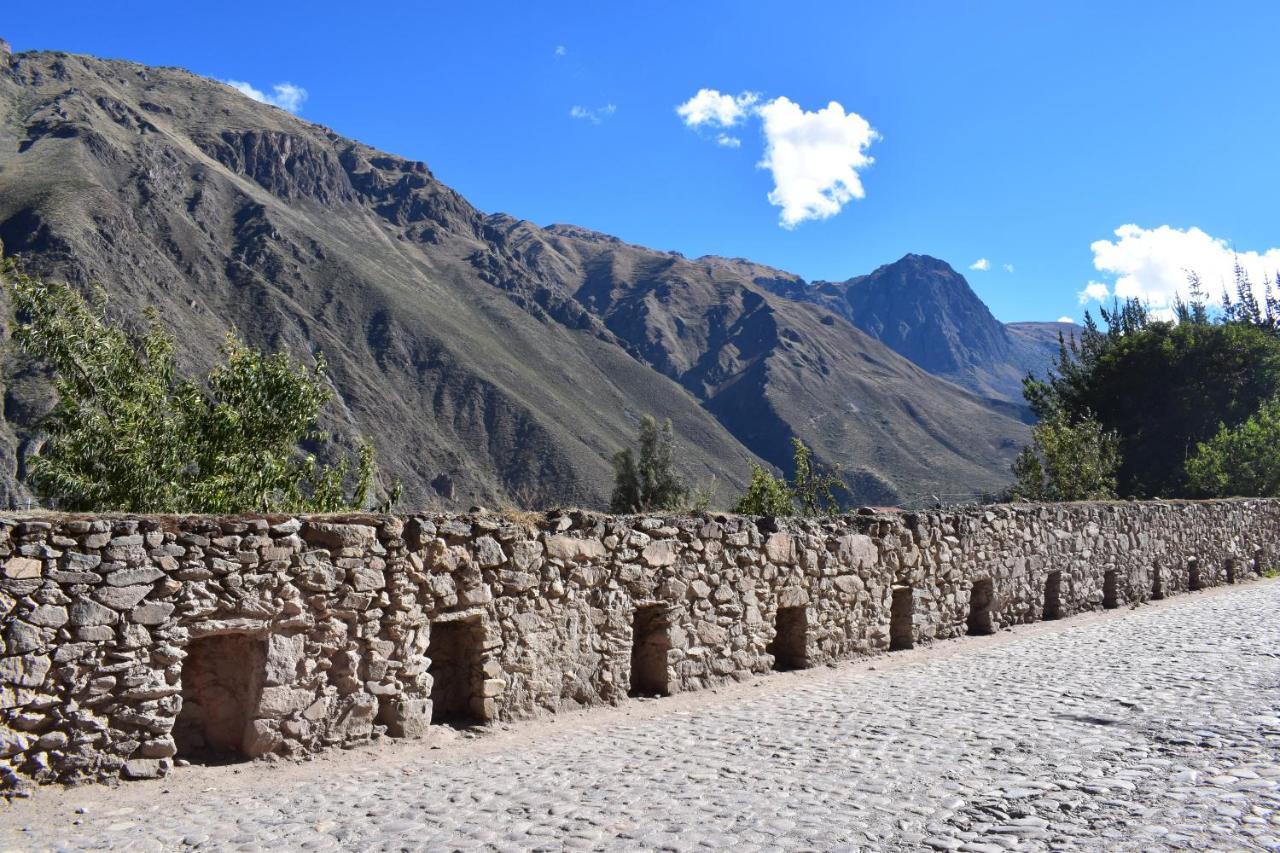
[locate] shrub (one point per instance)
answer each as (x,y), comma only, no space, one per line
(648,482)
(765,495)
(1244,461)
(127,434)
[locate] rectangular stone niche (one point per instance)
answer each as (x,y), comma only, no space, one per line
(1111,589)
(221,687)
(1052,596)
(790,646)
(901,618)
(980,596)
(1193,574)
(650,651)
(456,650)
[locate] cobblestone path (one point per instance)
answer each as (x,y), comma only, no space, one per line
(1153,729)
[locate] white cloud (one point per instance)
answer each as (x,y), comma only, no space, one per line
(1153,265)
(595,116)
(1095,290)
(560,50)
(814,158)
(981,265)
(1065,319)
(1008,268)
(716,109)
(286,96)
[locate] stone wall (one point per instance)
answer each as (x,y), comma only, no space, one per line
(130,642)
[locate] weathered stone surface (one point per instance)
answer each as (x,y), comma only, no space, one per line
(329,631)
(780,548)
(49,616)
(152,613)
(660,553)
(121,597)
(19,568)
(86,612)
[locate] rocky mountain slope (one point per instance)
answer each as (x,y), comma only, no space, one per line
(488,359)
(923,309)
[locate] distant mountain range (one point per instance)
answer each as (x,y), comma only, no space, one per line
(490,360)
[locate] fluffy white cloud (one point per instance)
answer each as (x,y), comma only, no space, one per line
(814,158)
(594,116)
(1008,268)
(286,96)
(1095,290)
(1153,265)
(716,109)
(981,265)
(1066,319)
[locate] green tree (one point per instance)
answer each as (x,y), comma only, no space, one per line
(765,495)
(626,482)
(1242,461)
(1067,461)
(1161,387)
(649,482)
(813,487)
(127,434)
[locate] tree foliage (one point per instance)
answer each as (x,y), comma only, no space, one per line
(811,491)
(1240,461)
(1067,461)
(648,481)
(1163,388)
(128,434)
(765,495)
(813,486)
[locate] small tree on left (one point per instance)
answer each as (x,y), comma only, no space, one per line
(129,435)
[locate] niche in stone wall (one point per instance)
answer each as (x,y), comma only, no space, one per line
(1230,566)
(1157,582)
(1193,574)
(650,651)
(221,685)
(980,606)
(456,650)
(1053,596)
(901,631)
(1111,589)
(790,646)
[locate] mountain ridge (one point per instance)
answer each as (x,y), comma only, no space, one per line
(489,359)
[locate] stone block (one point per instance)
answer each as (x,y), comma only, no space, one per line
(407,718)
(21,568)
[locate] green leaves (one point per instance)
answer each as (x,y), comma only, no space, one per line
(811,492)
(1163,388)
(127,435)
(765,495)
(649,482)
(1240,461)
(1067,461)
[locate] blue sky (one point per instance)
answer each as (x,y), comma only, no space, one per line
(1020,133)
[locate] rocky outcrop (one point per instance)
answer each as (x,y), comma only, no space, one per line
(131,642)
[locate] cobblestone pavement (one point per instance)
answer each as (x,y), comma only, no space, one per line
(1156,728)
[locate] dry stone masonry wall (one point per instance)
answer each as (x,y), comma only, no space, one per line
(129,643)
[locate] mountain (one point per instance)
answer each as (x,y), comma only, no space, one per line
(924,310)
(488,359)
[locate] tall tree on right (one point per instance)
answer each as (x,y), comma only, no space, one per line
(1162,388)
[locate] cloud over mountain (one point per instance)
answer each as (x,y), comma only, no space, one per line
(286,96)
(814,156)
